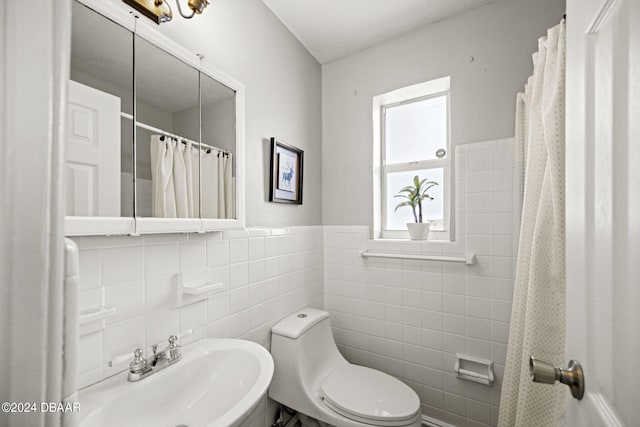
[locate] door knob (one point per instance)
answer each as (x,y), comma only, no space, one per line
(546,373)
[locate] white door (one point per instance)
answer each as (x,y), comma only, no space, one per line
(92,152)
(603,209)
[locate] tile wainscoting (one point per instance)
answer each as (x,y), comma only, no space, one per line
(266,274)
(408,318)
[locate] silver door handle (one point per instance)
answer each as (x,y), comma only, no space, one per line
(546,373)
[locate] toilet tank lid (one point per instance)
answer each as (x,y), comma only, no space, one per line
(295,325)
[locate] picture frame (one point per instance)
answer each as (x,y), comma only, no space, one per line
(286,173)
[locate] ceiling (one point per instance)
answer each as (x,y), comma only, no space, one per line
(332,29)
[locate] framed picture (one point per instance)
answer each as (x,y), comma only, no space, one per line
(286,173)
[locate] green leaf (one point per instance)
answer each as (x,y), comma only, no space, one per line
(401,205)
(408,189)
(416,193)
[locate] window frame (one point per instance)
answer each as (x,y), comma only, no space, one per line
(442,230)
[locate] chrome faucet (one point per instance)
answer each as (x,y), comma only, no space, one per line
(141,368)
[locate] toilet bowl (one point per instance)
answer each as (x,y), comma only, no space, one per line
(312,377)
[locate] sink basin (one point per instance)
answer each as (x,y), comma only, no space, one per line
(218,382)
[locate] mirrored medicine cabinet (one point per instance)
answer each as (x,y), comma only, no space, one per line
(154,134)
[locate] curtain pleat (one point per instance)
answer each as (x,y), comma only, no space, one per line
(229,200)
(163,192)
(188,168)
(210,184)
(194,154)
(222,164)
(180,181)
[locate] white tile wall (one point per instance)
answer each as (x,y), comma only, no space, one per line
(409,318)
(266,273)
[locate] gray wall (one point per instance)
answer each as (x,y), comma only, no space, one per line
(218,123)
(283,97)
(500,37)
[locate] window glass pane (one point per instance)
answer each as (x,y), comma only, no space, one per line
(415,131)
(431,209)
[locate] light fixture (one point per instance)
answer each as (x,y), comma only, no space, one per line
(159,11)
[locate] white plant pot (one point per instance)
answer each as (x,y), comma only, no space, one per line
(418,231)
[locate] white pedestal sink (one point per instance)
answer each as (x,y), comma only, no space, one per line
(217,383)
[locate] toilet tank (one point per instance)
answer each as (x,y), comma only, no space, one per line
(304,355)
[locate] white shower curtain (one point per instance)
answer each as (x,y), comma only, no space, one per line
(229,199)
(222,164)
(188,169)
(538,314)
(163,191)
(180,181)
(210,186)
(192,163)
(175,180)
(217,185)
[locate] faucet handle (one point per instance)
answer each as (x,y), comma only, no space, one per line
(139,363)
(174,348)
(137,355)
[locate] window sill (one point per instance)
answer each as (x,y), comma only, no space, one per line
(441,236)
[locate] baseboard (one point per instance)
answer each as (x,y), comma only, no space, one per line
(432,422)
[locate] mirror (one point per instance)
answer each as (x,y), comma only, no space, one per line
(219,149)
(150,134)
(167,134)
(99,168)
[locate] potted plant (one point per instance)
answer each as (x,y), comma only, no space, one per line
(414,195)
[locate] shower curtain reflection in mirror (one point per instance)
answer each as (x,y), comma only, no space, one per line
(175,180)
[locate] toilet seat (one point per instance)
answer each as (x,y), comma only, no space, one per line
(369,396)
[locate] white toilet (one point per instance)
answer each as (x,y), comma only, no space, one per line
(312,377)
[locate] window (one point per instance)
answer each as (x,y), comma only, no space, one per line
(412,138)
